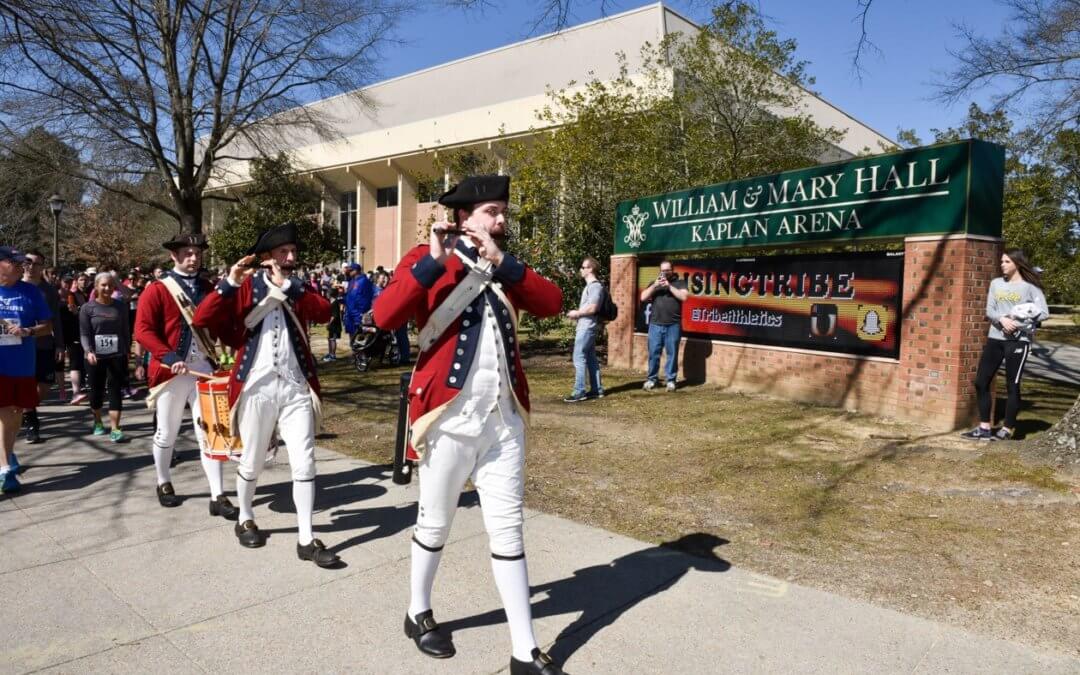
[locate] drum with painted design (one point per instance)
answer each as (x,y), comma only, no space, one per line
(214,408)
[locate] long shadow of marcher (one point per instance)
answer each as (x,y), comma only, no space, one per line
(603,593)
(85,474)
(332,490)
(386,521)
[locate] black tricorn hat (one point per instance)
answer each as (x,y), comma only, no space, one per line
(274,237)
(476,189)
(187,239)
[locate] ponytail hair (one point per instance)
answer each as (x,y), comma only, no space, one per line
(1027,272)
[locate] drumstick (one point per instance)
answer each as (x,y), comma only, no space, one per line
(196,373)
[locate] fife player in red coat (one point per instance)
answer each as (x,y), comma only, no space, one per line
(263,311)
(174,351)
(469,400)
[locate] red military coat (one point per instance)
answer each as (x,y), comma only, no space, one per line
(161,329)
(223,312)
(419,286)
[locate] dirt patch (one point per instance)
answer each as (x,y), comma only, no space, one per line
(983,536)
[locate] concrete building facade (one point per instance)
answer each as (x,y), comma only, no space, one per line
(378,177)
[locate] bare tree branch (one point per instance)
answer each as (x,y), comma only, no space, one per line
(1033,66)
(170,86)
(864,44)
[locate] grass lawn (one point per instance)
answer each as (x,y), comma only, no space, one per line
(1063,328)
(972,534)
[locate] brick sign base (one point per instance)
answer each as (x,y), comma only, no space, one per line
(946,280)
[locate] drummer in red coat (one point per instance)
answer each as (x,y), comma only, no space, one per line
(163,328)
(262,310)
(469,400)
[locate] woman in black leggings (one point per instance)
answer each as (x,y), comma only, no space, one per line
(1014,307)
(103,331)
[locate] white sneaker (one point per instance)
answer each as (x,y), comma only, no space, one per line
(649,384)
(670,386)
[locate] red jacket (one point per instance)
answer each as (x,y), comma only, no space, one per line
(223,312)
(159,328)
(418,287)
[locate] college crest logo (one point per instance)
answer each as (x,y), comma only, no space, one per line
(635,225)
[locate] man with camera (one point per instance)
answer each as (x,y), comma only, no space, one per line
(667,295)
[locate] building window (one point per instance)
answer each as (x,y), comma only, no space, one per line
(386,196)
(347,225)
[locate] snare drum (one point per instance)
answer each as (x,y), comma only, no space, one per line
(214,406)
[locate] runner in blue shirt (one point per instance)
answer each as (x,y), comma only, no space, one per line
(24,315)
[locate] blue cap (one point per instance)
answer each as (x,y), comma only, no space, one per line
(355,266)
(14,255)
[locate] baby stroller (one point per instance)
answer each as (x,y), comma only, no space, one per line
(370,343)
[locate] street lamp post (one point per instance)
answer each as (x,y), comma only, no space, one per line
(56,205)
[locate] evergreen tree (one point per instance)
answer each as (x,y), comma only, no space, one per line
(276,196)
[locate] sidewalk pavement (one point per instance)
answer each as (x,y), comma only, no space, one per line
(98,578)
(1053,361)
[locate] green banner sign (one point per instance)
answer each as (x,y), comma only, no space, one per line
(953,188)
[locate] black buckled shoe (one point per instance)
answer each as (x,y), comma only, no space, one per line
(540,665)
(249,535)
(224,508)
(166,495)
(428,636)
(316,552)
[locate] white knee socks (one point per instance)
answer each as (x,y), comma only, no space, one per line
(512,580)
(303,496)
(245,494)
(421,578)
(212,469)
(162,459)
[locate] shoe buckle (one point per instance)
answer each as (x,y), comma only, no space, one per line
(544,659)
(428,624)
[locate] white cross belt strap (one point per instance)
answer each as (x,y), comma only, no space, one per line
(187,311)
(274,297)
(479,278)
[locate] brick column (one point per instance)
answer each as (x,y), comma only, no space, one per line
(944,327)
(621,331)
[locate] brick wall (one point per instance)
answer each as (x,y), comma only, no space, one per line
(943,330)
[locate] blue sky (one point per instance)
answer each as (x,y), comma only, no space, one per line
(896,90)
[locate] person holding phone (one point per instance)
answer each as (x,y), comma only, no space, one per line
(104,334)
(667,294)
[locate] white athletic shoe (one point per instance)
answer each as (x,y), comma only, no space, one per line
(670,386)
(649,385)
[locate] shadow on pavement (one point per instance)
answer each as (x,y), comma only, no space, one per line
(603,593)
(337,490)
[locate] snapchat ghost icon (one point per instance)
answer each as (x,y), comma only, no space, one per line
(872,322)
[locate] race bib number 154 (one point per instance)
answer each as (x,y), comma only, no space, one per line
(106,345)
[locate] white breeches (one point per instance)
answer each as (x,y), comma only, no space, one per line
(495,460)
(178,392)
(288,404)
